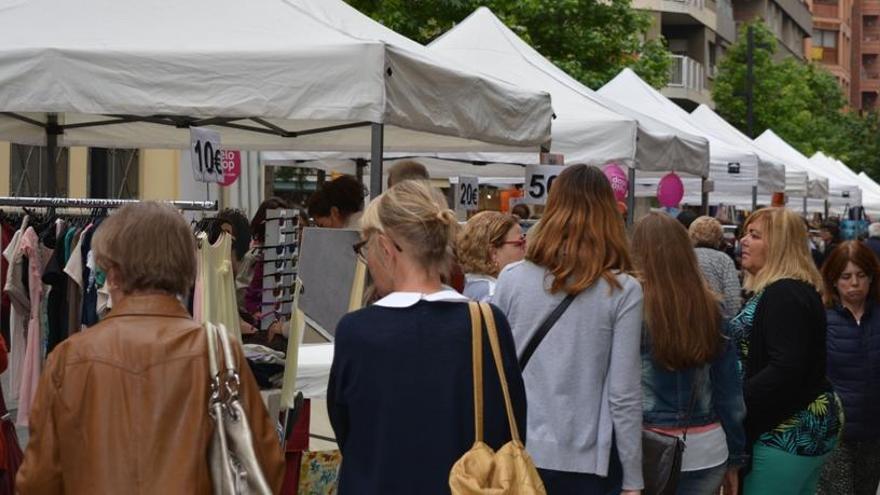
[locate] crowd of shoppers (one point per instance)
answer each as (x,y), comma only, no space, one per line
(772,383)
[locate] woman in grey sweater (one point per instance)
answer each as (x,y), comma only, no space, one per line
(583,380)
(718,269)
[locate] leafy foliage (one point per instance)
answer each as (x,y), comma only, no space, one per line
(592,40)
(801,102)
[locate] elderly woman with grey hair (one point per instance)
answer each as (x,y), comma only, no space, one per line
(717,267)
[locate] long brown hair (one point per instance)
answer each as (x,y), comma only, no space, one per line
(581,236)
(681,312)
(860,255)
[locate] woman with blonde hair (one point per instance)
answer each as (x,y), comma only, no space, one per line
(581,365)
(793,417)
(489,241)
(400,396)
(717,267)
(689,375)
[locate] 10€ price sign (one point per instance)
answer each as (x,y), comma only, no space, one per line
(205,154)
(539,180)
(467,194)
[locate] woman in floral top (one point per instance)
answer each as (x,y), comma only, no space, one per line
(793,417)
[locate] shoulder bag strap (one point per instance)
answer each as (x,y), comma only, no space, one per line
(492,330)
(692,402)
(543,330)
(477,359)
(213,366)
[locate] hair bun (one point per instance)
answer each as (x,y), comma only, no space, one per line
(446,216)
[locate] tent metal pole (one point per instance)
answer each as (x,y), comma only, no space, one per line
(631,198)
(52,131)
(754,198)
(376,152)
(805,206)
(704,196)
(827,207)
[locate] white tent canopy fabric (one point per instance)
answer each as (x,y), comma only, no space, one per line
(770,141)
(772,173)
(585,129)
(266,70)
(844,188)
(730,168)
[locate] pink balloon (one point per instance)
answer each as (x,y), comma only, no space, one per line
(670,190)
(618,179)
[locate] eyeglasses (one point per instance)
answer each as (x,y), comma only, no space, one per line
(360,249)
(518,243)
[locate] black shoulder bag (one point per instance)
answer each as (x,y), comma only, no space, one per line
(662,454)
(543,330)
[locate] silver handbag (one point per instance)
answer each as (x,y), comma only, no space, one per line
(233,462)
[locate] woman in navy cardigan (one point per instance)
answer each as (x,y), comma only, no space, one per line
(853,300)
(400,396)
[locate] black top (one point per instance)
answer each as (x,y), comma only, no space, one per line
(400,396)
(785,370)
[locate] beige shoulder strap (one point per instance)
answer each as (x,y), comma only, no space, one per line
(499,365)
(477,359)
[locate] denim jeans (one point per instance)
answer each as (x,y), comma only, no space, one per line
(702,482)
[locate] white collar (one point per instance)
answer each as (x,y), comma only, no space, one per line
(407,299)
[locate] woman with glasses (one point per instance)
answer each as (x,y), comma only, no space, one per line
(489,242)
(400,395)
(584,378)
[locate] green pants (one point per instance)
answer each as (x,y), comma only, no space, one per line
(776,472)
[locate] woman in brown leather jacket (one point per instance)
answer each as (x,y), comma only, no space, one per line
(123,406)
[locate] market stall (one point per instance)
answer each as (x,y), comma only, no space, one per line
(729,166)
(817,187)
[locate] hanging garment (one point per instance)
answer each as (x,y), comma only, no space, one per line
(74,270)
(18,314)
(215,293)
(30,377)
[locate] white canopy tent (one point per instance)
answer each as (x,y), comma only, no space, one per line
(730,168)
(844,190)
(817,190)
(585,129)
(872,189)
(869,199)
(773,176)
(269,74)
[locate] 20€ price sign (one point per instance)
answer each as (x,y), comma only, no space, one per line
(467,195)
(539,180)
(205,154)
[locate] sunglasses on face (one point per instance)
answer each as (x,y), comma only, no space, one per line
(360,249)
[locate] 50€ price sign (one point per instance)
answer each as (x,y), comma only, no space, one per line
(205,154)
(539,180)
(467,194)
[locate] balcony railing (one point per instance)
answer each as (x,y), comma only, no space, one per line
(700,4)
(687,73)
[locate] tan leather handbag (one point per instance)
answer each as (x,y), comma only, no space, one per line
(510,471)
(233,462)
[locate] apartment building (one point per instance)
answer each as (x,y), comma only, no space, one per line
(698,33)
(866,49)
(832,45)
(790,20)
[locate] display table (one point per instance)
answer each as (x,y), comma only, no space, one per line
(313,370)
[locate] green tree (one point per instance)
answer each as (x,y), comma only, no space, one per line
(592,40)
(801,102)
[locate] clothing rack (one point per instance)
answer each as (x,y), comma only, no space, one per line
(21,201)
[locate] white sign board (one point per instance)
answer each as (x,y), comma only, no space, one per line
(539,180)
(205,154)
(467,194)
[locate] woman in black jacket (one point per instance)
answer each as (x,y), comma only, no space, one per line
(852,296)
(400,396)
(792,415)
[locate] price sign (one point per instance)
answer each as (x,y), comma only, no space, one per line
(467,194)
(539,180)
(205,154)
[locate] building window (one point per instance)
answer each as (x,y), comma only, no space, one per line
(113,173)
(712,58)
(29,171)
(825,38)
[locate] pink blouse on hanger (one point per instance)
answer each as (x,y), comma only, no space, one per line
(30,247)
